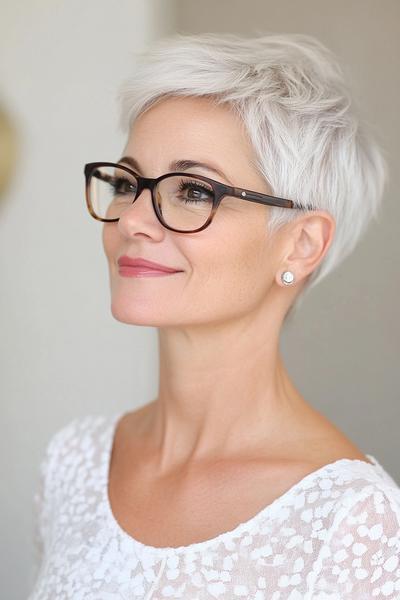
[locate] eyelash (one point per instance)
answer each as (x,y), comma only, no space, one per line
(193,185)
(183,185)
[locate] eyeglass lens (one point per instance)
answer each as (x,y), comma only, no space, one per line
(185,203)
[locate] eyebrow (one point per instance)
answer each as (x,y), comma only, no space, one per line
(179,165)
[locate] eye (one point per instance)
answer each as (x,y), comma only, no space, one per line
(196,189)
(122,185)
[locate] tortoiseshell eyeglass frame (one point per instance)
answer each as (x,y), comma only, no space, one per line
(220,190)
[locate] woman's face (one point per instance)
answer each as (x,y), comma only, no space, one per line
(226,270)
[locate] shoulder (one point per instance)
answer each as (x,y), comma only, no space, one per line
(376,500)
(360,553)
(65,450)
(356,486)
(338,496)
(74,431)
(78,437)
(372,500)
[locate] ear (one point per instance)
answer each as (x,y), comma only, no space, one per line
(307,241)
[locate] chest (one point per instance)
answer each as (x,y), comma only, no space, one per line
(196,505)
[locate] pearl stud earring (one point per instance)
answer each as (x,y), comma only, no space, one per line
(287,278)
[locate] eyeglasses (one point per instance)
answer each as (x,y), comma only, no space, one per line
(182,202)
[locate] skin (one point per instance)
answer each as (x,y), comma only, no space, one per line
(227,419)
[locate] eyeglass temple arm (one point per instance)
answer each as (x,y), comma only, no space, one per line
(265,198)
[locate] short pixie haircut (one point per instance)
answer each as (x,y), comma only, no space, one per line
(309,142)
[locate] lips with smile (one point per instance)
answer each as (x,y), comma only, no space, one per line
(140,267)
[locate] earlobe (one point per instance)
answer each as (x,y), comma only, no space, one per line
(287,277)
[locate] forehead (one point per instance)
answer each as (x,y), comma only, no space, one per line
(190,127)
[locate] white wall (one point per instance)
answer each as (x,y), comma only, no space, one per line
(62,352)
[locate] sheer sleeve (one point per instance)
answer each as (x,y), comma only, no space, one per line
(41,506)
(360,558)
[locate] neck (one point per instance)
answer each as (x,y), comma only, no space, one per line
(219,391)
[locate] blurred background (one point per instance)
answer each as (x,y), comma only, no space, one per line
(62,353)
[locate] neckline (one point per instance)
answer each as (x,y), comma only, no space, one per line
(222,537)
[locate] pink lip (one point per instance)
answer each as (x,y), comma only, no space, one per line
(141,272)
(140,267)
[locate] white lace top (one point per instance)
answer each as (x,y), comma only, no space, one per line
(333,535)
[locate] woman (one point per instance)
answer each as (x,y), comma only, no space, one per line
(246,177)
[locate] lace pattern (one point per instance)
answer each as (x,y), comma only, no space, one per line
(333,535)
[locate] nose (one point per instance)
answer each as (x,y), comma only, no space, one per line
(140,217)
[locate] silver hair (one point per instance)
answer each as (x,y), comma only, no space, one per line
(310,143)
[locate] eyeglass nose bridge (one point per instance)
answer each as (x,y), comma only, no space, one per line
(144,183)
(150,183)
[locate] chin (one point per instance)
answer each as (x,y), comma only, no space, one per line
(137,315)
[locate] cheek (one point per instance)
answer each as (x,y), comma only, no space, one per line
(235,273)
(110,240)
(244,253)
(248,269)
